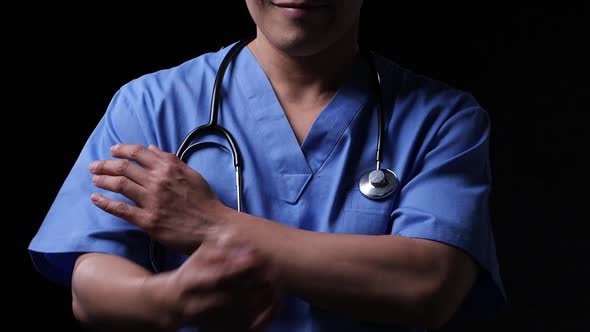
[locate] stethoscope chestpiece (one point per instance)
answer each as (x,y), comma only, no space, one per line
(378,184)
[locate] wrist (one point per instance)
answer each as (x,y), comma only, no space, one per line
(221,225)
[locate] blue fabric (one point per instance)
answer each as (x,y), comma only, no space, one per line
(436,141)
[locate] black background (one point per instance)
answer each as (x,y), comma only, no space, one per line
(526,65)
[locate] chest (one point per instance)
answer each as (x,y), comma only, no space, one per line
(301,118)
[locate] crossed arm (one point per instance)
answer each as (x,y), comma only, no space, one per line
(386,279)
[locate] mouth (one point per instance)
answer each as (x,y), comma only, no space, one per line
(301,5)
(301,9)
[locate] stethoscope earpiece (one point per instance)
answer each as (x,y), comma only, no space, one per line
(379,183)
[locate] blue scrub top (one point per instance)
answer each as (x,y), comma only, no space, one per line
(437,142)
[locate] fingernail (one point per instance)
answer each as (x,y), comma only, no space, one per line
(95,179)
(114,147)
(93,166)
(95,197)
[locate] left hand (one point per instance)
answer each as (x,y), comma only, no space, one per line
(174,204)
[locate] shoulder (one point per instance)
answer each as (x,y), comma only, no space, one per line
(189,78)
(165,81)
(421,88)
(427,104)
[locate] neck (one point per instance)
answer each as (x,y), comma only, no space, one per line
(297,78)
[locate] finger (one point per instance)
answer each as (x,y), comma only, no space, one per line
(213,253)
(122,185)
(127,212)
(243,269)
(269,310)
(263,320)
(157,150)
(120,167)
(203,307)
(162,154)
(217,268)
(138,153)
(207,251)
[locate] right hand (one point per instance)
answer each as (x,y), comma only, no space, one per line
(219,288)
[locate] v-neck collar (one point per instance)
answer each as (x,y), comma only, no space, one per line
(296,163)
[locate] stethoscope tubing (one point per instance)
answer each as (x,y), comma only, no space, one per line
(187,147)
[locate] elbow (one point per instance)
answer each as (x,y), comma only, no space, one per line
(440,285)
(440,299)
(427,307)
(432,314)
(79,286)
(78,311)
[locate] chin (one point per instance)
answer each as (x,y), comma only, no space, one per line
(299,45)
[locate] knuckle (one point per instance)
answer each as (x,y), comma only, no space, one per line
(170,157)
(163,181)
(97,179)
(99,166)
(169,169)
(121,183)
(214,255)
(149,222)
(120,208)
(122,166)
(136,150)
(226,236)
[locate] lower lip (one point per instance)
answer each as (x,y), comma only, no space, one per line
(296,12)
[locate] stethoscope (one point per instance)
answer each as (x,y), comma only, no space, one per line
(376,184)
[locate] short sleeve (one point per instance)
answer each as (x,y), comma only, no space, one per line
(447,200)
(73,225)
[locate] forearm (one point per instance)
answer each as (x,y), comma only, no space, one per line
(112,293)
(385,279)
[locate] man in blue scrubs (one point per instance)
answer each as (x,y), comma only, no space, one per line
(309,252)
